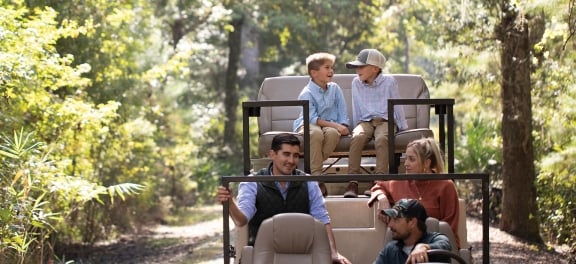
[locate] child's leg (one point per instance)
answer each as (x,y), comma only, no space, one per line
(316,141)
(361,134)
(331,139)
(381,146)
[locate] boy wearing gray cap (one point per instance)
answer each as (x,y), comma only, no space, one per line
(407,222)
(370,93)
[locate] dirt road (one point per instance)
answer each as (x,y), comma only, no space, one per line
(202,244)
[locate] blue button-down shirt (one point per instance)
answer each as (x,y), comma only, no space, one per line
(328,104)
(369,101)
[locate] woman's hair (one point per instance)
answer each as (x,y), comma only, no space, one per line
(426,148)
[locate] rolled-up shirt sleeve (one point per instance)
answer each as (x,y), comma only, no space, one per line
(247,199)
(317,206)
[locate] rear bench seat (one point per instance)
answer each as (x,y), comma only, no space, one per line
(275,120)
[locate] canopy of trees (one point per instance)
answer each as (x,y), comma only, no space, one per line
(107,108)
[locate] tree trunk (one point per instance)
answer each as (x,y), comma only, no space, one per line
(231,87)
(250,59)
(519,208)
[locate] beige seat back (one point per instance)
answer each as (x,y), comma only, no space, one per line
(289,238)
(417,116)
(413,86)
(358,232)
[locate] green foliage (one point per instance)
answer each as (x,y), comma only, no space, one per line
(452,45)
(37,197)
(555,122)
(312,26)
(480,150)
(480,146)
(125,96)
(557,195)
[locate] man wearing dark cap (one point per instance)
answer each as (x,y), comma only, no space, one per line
(371,90)
(411,240)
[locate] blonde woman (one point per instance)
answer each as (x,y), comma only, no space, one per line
(439,197)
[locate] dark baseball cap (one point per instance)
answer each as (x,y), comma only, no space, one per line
(406,208)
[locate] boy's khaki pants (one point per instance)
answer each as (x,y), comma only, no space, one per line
(323,141)
(377,128)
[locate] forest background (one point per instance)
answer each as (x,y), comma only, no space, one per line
(114,114)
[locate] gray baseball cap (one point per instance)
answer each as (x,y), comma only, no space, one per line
(368,57)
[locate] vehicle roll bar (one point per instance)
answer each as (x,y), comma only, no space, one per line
(484,177)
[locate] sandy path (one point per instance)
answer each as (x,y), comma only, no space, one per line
(202,244)
(504,248)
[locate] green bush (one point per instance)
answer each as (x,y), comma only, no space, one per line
(557,196)
(38,198)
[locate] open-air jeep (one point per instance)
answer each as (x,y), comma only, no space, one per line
(358,232)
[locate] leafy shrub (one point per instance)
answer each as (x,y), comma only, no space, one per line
(557,196)
(37,197)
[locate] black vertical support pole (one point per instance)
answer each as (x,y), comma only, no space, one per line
(306,111)
(450,116)
(392,166)
(440,111)
(245,137)
(226,228)
(485,221)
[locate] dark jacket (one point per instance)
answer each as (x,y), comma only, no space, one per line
(269,202)
(393,254)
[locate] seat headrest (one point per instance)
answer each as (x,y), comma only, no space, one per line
(291,238)
(293,233)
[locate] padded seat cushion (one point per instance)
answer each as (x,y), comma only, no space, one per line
(291,238)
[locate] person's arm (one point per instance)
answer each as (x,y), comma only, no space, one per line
(224,195)
(335,112)
(336,257)
(319,212)
(439,241)
(244,208)
(343,130)
(356,101)
(343,118)
(419,253)
(312,111)
(378,193)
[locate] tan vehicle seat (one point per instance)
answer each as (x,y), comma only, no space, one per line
(289,238)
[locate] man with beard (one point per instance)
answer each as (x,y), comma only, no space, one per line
(411,240)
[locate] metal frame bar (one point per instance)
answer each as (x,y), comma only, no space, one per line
(252,108)
(484,177)
(442,107)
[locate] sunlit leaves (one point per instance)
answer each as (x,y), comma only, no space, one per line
(26,37)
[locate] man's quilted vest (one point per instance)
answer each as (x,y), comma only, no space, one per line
(269,202)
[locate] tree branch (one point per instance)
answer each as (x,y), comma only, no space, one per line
(571,22)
